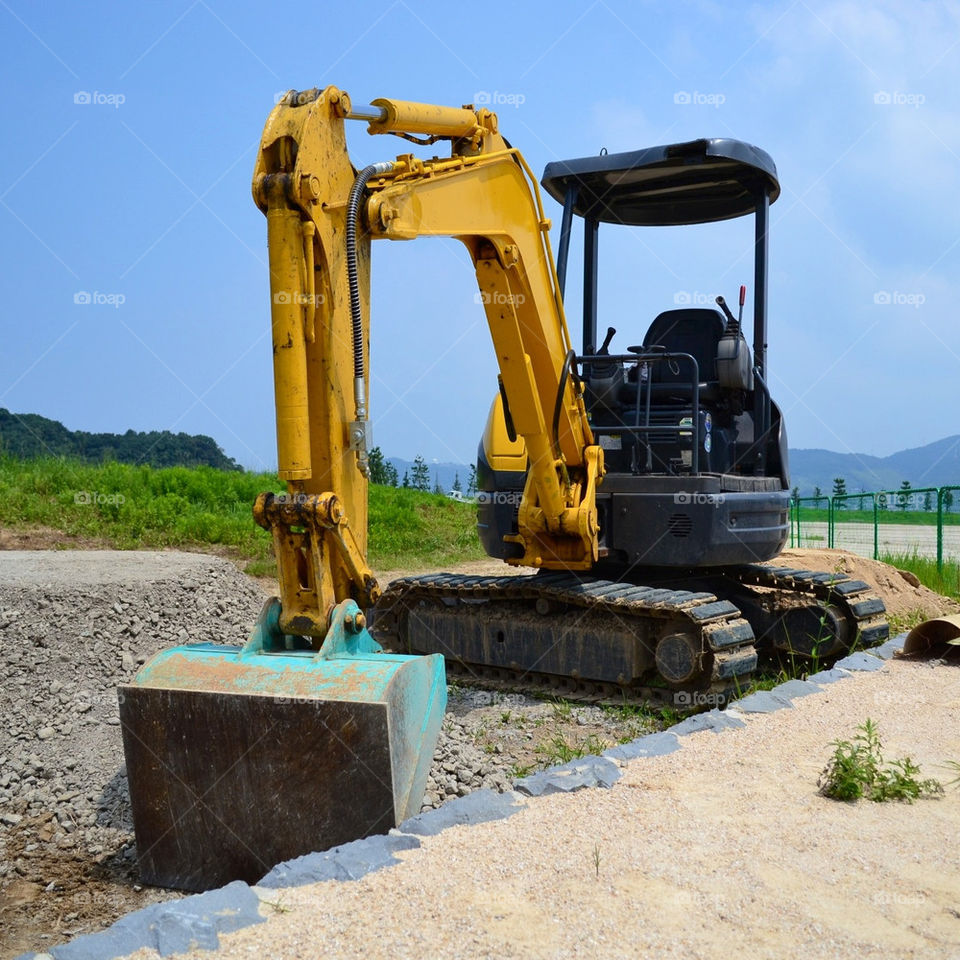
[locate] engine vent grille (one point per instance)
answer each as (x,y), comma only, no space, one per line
(680,525)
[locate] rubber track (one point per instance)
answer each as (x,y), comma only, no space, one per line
(864,611)
(718,622)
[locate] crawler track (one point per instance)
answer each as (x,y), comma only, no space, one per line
(602,640)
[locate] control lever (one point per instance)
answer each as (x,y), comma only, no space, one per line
(606,341)
(722,304)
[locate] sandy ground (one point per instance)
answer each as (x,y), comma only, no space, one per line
(724,848)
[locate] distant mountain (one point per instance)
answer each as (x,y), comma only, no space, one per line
(444,473)
(935,465)
(28,435)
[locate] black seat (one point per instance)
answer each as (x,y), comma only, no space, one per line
(693,330)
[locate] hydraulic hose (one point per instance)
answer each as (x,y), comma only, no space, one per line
(356,315)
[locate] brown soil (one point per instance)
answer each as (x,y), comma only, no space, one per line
(61,892)
(900,590)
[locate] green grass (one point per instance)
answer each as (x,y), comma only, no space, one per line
(890,515)
(130,507)
(945,581)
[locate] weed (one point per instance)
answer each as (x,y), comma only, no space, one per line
(954,767)
(562,709)
(857,769)
(505,717)
(520,770)
(596,859)
(559,750)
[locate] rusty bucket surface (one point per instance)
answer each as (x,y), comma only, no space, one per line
(241,757)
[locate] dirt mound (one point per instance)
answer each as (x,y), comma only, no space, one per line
(903,594)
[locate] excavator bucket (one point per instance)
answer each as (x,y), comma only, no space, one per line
(239,758)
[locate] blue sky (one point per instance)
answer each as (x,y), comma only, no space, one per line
(141,199)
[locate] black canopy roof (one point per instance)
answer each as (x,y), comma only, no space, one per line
(695,182)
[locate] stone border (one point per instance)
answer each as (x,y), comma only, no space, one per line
(196,921)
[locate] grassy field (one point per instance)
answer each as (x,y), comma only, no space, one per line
(890,515)
(132,507)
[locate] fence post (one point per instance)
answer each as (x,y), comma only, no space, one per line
(830,522)
(876,528)
(940,492)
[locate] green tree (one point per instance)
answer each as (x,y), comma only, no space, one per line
(903,497)
(456,484)
(420,478)
(378,467)
(947,500)
(817,496)
(795,495)
(406,480)
(392,477)
(927,505)
(839,488)
(472,482)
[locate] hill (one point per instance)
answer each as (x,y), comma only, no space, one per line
(935,465)
(28,435)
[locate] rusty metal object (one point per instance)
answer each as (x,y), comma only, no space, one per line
(935,639)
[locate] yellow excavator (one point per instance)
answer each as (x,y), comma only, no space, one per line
(321,729)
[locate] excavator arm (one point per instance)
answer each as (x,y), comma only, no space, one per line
(321,216)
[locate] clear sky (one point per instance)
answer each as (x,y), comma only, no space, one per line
(140,198)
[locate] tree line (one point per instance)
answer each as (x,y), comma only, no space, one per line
(27,436)
(903,499)
(383,472)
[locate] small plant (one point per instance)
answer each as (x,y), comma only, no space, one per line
(559,750)
(562,709)
(520,770)
(857,770)
(505,717)
(954,767)
(596,859)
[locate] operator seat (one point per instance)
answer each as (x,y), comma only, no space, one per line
(693,330)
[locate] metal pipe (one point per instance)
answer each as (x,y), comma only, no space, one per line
(564,247)
(368,112)
(591,229)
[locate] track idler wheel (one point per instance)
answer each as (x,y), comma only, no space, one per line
(812,631)
(681,660)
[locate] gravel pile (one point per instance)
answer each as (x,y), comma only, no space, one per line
(67,642)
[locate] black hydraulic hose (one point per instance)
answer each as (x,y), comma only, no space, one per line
(353,208)
(568,361)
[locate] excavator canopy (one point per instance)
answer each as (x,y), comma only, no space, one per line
(681,183)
